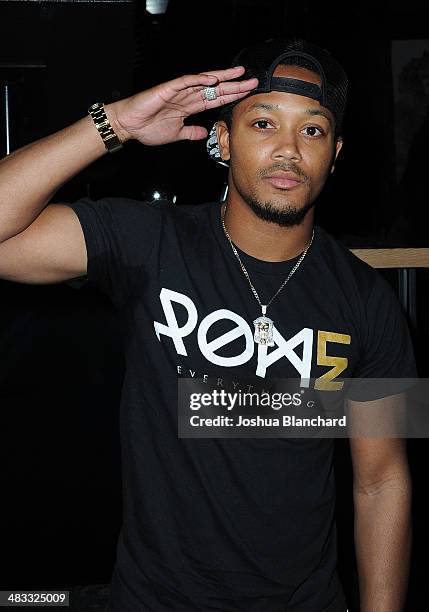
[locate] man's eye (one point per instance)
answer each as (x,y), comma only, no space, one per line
(312,130)
(262,124)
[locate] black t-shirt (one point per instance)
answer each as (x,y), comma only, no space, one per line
(228,524)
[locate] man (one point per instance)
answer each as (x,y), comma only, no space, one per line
(216,523)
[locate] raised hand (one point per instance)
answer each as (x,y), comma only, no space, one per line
(156,116)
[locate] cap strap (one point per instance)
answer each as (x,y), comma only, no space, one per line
(296,86)
(323,96)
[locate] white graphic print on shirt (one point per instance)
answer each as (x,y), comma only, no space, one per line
(285,348)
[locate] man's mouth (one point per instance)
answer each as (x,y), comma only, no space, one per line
(283,180)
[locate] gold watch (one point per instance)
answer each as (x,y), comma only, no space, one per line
(101,122)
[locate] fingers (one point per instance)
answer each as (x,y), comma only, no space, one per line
(187,94)
(189,81)
(206,79)
(193,132)
(228,74)
(235,87)
(189,88)
(226,99)
(225,93)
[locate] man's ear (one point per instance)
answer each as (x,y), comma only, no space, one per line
(338,147)
(222,134)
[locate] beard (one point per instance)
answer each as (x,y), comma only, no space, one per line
(267,211)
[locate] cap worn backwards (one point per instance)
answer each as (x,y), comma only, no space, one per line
(260,60)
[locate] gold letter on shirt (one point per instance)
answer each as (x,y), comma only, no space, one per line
(339,363)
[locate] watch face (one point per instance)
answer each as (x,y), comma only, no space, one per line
(95,107)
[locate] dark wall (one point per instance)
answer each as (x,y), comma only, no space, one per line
(62,361)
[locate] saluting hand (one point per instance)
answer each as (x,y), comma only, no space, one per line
(156,116)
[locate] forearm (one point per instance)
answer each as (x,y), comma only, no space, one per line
(383,542)
(30,176)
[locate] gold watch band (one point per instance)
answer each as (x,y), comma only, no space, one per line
(101,122)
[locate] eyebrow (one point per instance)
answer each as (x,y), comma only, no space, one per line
(316,111)
(270,107)
(263,105)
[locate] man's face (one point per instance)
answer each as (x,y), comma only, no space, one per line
(281,149)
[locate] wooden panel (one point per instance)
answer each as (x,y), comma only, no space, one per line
(394,258)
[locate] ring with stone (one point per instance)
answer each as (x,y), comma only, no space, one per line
(209,93)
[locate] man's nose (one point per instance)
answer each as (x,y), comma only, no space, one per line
(286,145)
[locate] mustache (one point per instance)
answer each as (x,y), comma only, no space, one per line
(285,168)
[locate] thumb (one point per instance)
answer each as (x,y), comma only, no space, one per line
(193,132)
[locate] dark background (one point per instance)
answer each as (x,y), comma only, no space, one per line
(62,363)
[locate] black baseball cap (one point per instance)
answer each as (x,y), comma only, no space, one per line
(261,59)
